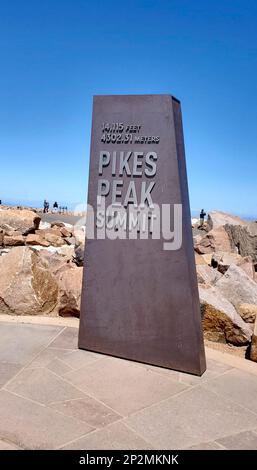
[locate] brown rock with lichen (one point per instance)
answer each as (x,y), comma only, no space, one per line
(1,237)
(199,260)
(221,322)
(27,287)
(53,239)
(215,240)
(253,348)
(19,219)
(70,284)
(66,232)
(248,312)
(13,240)
(32,239)
(207,275)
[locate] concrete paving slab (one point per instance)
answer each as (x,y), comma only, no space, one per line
(232,360)
(21,342)
(78,358)
(7,372)
(214,369)
(62,361)
(88,410)
(47,356)
(59,367)
(8,446)
(172,374)
(207,446)
(68,339)
(42,386)
(195,416)
(239,386)
(115,437)
(122,385)
(33,426)
(78,399)
(242,441)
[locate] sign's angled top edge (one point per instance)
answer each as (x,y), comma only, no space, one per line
(138,96)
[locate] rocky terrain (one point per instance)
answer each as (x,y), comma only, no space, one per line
(41,264)
(41,272)
(226,264)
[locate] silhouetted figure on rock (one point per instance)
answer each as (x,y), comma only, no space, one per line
(202,215)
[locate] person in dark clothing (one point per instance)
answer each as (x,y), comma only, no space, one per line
(46,206)
(55,206)
(202,215)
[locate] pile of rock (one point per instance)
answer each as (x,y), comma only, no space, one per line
(226,263)
(40,265)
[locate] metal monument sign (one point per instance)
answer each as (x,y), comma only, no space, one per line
(140,297)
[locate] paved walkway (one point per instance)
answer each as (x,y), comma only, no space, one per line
(66,218)
(54,396)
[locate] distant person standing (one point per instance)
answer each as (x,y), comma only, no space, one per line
(202,215)
(46,206)
(55,207)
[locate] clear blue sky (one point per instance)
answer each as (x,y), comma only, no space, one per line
(55,54)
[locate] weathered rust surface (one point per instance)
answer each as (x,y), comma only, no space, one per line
(139,301)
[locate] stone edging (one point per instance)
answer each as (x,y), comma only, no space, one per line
(41,320)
